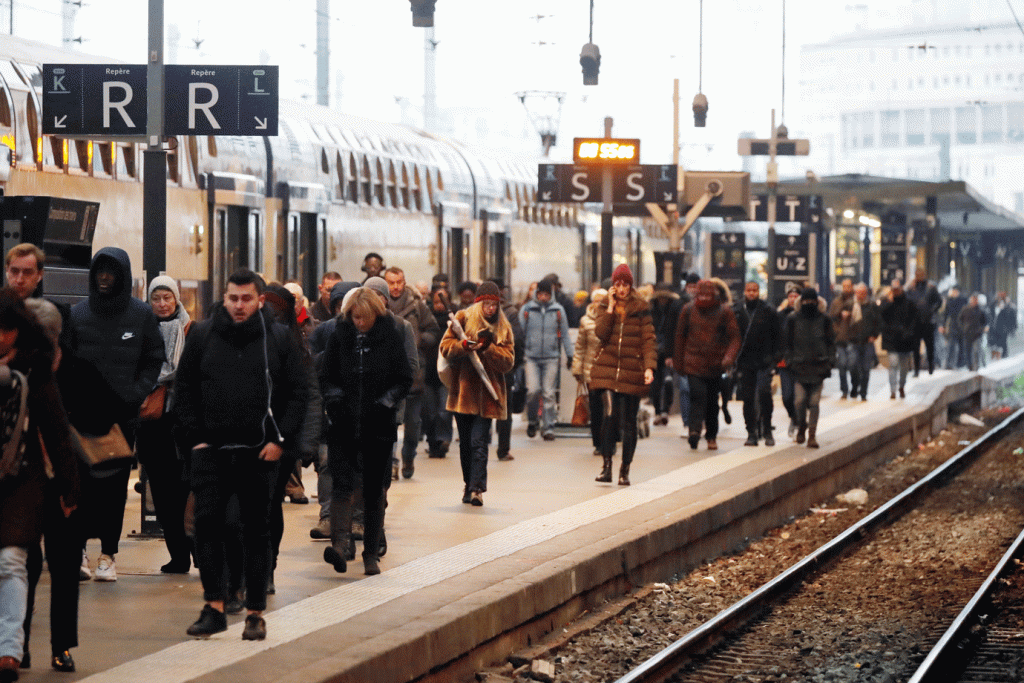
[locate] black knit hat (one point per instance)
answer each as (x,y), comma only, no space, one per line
(809,294)
(544,286)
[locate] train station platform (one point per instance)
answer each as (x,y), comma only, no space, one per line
(472,584)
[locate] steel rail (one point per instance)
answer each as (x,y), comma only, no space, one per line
(953,649)
(665,663)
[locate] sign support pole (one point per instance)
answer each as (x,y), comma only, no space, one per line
(606,211)
(772,196)
(154,157)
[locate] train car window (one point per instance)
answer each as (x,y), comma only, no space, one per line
(366,193)
(193,157)
(414,190)
(211,146)
(403,186)
(392,186)
(339,188)
(174,163)
(353,179)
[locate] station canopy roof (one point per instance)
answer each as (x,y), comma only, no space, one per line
(960,207)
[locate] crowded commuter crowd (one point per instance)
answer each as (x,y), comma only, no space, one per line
(224,414)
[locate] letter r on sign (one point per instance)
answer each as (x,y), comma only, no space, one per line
(109,104)
(205,107)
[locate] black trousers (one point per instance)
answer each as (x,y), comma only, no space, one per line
(286,468)
(504,427)
(619,420)
(925,331)
(366,464)
(158,454)
(63,558)
(217,474)
(703,405)
(754,388)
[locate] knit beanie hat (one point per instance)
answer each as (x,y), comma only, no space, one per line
(809,294)
(164,282)
(377,284)
(339,291)
(622,274)
(487,291)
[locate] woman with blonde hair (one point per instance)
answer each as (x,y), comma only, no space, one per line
(489,336)
(364,376)
(587,347)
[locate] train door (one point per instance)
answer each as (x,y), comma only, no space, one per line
(498,257)
(306,250)
(454,237)
(236,217)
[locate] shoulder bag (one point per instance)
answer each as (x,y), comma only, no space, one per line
(107,452)
(581,411)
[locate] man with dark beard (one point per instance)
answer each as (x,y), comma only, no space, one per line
(707,343)
(759,352)
(809,343)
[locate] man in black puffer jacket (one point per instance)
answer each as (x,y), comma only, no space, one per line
(241,398)
(760,350)
(116,356)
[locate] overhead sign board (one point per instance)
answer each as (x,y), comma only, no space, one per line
(792,262)
(892,256)
(725,255)
(636,184)
(784,147)
(606,150)
(788,208)
(94,99)
(220,100)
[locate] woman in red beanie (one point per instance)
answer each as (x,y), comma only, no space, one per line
(623,368)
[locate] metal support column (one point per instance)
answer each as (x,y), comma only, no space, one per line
(606,212)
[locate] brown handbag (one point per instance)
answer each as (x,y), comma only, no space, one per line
(153,407)
(107,452)
(581,412)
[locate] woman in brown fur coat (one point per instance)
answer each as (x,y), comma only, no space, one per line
(489,334)
(624,368)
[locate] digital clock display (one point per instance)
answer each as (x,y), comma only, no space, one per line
(606,150)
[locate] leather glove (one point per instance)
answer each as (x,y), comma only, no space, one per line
(568,363)
(485,338)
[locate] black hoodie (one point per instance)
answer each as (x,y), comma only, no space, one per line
(116,341)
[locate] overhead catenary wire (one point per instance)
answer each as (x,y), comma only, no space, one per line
(782,118)
(700,49)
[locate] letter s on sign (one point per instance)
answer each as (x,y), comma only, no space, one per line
(633,182)
(578,181)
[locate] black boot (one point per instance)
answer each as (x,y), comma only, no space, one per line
(606,471)
(751,438)
(769,440)
(624,474)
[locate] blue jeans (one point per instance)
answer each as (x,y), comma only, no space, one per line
(13,600)
(437,422)
(860,370)
(899,367)
(541,375)
(683,386)
(845,364)
(412,421)
(474,438)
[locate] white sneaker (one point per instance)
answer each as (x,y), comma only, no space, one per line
(84,573)
(105,570)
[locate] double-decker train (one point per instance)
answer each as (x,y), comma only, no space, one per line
(317,197)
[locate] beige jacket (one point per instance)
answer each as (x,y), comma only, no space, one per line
(587,344)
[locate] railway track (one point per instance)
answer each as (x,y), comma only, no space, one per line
(872,603)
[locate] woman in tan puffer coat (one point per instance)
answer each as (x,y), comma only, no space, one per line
(587,346)
(624,368)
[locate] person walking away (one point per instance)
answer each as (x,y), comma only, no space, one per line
(405,303)
(865,326)
(45,443)
(364,376)
(840,311)
(786,390)
(809,343)
(973,324)
(759,352)
(928,301)
(241,401)
(1004,324)
(489,335)
(950,328)
(707,343)
(587,347)
(899,335)
(623,370)
(546,331)
(117,353)
(157,449)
